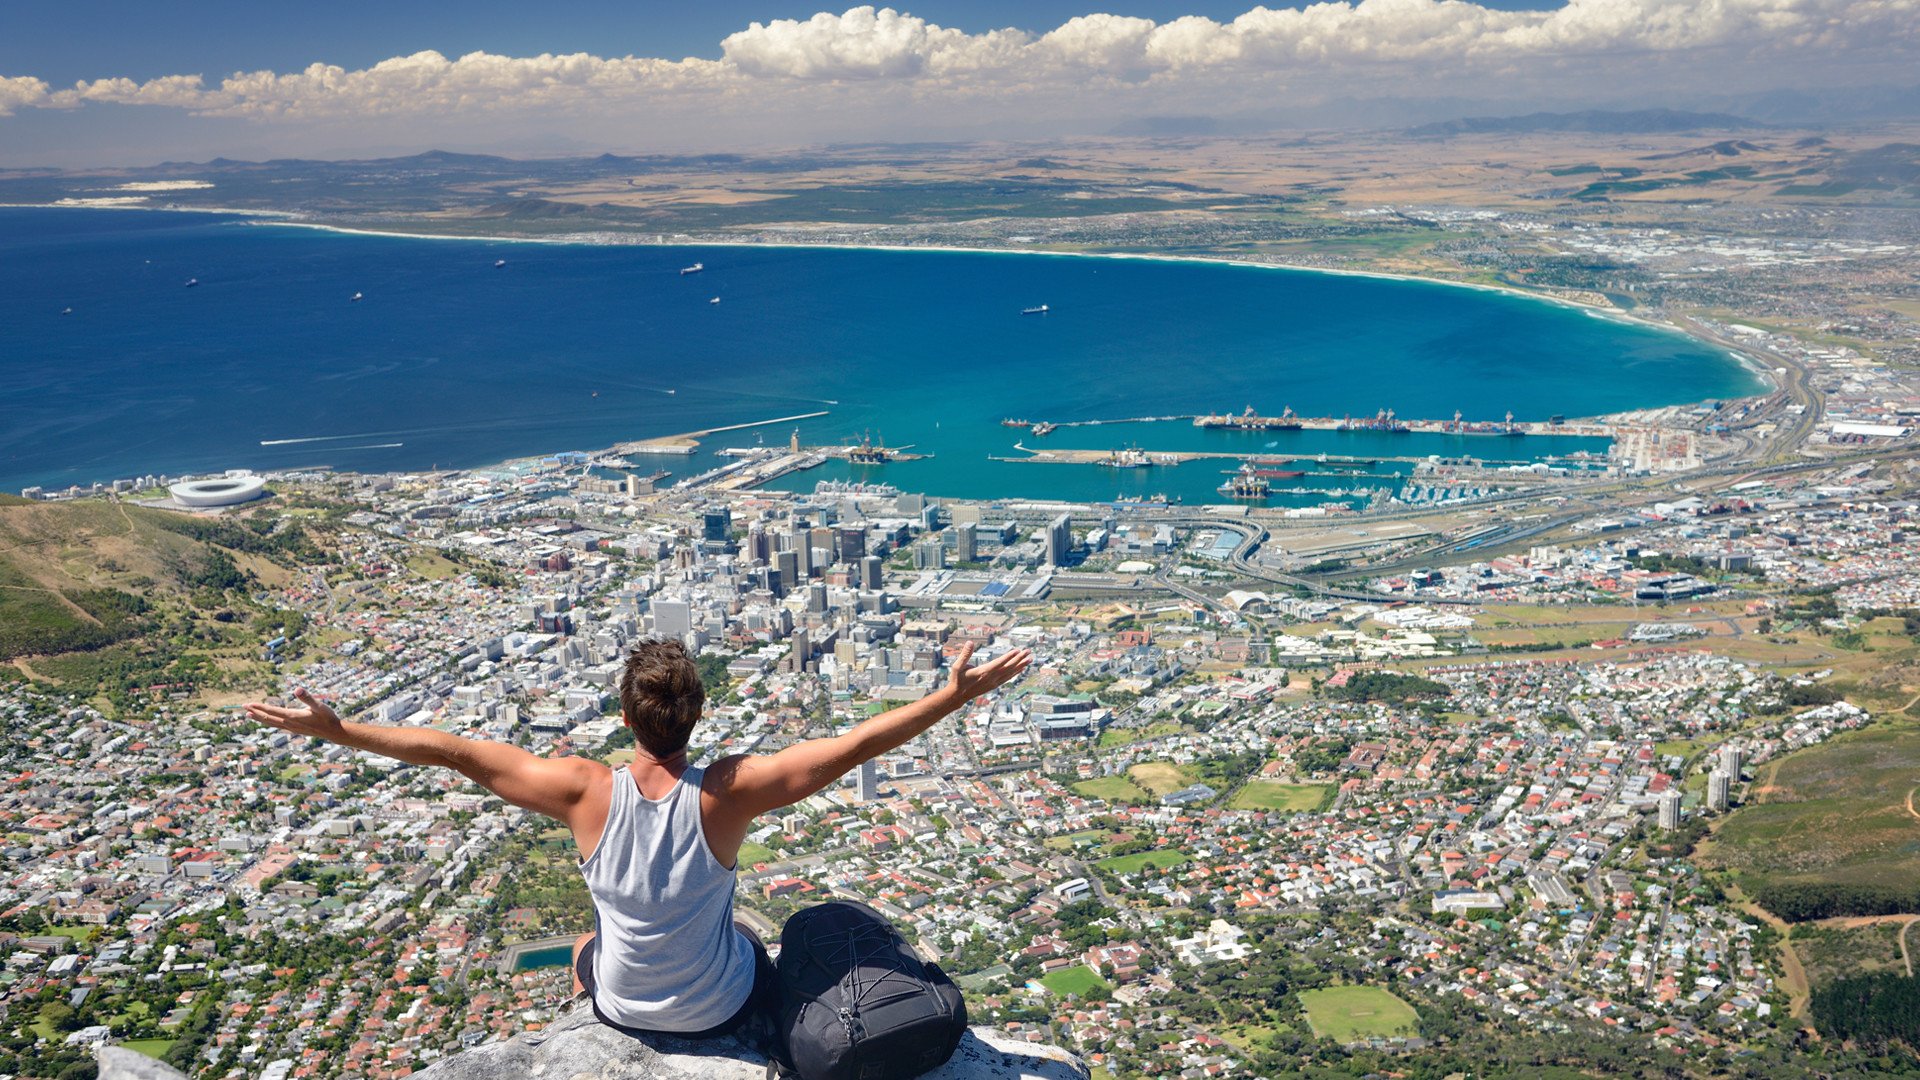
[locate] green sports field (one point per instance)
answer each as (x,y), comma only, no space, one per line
(1111,789)
(1269,795)
(1078,979)
(1161,858)
(1349,1013)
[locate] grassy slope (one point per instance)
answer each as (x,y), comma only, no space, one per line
(1833,812)
(69,573)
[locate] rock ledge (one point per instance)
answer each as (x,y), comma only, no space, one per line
(578,1047)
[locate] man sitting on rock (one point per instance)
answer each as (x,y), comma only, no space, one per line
(658,840)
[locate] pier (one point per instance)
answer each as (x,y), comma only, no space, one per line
(1383,423)
(689,442)
(1168,458)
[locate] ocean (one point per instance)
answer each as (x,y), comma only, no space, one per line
(112,366)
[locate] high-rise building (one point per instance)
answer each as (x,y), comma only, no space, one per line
(1731,760)
(853,544)
(801,542)
(1719,791)
(671,617)
(802,652)
(717,525)
(871,570)
(816,597)
(1669,805)
(1059,540)
(759,544)
(788,563)
(823,541)
(966,541)
(930,554)
(867,788)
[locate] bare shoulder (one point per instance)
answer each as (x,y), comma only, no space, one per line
(719,777)
(586,770)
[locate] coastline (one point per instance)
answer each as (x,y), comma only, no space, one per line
(1761,371)
(249,218)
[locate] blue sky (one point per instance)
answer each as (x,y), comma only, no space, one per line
(142,39)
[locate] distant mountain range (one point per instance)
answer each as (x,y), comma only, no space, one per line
(1639,122)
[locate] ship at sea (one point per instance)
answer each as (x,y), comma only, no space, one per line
(1250,421)
(1246,484)
(694,269)
(1016,423)
(1041,310)
(498,263)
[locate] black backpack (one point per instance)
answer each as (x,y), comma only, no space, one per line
(857,1003)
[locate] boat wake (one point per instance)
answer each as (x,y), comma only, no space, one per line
(323,438)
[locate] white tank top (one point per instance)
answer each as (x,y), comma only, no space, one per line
(667,957)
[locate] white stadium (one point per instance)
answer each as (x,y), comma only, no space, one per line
(218,491)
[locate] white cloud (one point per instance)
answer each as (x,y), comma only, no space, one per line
(872,57)
(865,44)
(19,91)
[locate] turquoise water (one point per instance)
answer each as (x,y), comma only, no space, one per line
(554,956)
(449,361)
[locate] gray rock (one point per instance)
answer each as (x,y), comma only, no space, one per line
(576,1046)
(120,1063)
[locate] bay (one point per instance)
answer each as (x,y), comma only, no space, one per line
(449,361)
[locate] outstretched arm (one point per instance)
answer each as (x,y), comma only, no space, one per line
(551,786)
(750,786)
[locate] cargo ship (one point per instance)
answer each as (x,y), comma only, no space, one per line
(1041,310)
(1380,421)
(694,269)
(1326,462)
(1249,421)
(1016,423)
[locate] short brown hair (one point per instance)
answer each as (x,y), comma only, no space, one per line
(661,695)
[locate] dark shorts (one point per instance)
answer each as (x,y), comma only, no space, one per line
(763,999)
